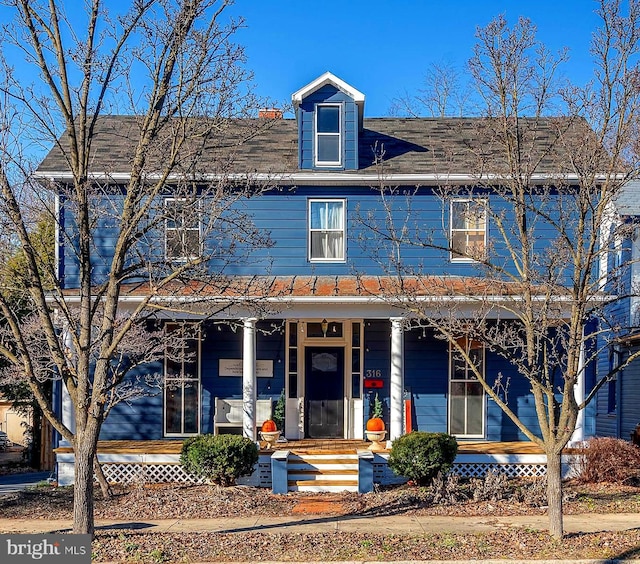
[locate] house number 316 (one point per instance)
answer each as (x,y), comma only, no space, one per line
(374,374)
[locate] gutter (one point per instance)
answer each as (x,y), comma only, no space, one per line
(312,178)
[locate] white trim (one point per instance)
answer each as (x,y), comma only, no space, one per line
(199,384)
(56,243)
(311,178)
(482,435)
(460,257)
(316,134)
(323,80)
(342,258)
(180,228)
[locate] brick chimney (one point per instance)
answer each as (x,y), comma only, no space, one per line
(270,113)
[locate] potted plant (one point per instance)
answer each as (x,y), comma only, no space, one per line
(375,428)
(269,432)
(279,411)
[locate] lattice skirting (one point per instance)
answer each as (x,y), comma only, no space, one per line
(129,473)
(479,470)
(133,470)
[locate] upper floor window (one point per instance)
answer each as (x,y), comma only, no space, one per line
(326,230)
(328,135)
(182,229)
(468,222)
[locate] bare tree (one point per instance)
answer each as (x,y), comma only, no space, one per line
(545,190)
(444,94)
(172,67)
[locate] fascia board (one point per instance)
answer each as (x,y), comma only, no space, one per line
(316,178)
(322,80)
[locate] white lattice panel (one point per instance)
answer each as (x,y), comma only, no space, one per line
(127,473)
(480,469)
(150,473)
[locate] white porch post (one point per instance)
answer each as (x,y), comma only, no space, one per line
(578,433)
(68,414)
(249,379)
(397,378)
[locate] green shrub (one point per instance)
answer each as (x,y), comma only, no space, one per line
(222,459)
(420,456)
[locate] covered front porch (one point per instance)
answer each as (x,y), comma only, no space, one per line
(307,464)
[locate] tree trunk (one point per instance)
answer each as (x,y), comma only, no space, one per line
(83,520)
(554,494)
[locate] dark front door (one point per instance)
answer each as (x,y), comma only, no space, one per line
(324,384)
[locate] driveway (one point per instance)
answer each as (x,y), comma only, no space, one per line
(12,483)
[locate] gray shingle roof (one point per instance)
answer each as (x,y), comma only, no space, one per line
(406,145)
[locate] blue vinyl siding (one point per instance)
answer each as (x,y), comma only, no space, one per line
(426,379)
(142,419)
(288,254)
(328,94)
(620,422)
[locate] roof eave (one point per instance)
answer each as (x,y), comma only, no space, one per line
(313,178)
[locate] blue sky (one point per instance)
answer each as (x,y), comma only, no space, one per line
(384,47)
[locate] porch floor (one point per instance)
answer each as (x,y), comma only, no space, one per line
(308,445)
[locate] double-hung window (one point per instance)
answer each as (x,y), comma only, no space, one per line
(326,230)
(468,221)
(182,379)
(466,394)
(328,132)
(182,229)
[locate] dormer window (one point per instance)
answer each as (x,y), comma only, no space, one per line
(328,135)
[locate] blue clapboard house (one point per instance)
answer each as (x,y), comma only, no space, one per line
(332,338)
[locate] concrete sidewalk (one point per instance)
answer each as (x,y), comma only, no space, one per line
(397,524)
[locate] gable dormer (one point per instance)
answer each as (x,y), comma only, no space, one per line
(329,113)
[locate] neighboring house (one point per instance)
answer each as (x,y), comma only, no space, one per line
(617,405)
(13,423)
(329,342)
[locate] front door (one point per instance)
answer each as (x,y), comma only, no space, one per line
(324,385)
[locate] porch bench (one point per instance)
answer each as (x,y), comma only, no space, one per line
(228,413)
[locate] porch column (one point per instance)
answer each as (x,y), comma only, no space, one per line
(68,414)
(249,378)
(578,390)
(397,378)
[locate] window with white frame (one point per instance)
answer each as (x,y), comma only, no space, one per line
(466,394)
(326,230)
(328,132)
(182,379)
(182,229)
(468,226)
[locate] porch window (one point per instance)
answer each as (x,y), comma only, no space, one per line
(468,237)
(326,230)
(466,395)
(182,380)
(182,229)
(328,132)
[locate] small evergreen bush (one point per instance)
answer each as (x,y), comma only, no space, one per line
(420,456)
(222,459)
(605,459)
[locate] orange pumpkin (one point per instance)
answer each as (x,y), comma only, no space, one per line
(269,426)
(375,424)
